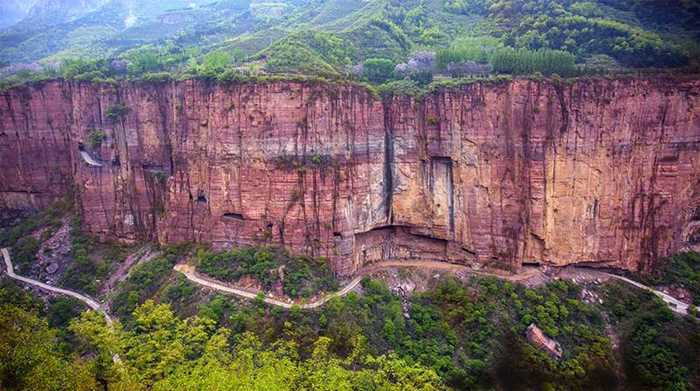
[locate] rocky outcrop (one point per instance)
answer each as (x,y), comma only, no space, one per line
(536,336)
(597,172)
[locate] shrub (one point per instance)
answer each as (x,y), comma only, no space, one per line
(422,78)
(681,269)
(117,111)
(472,49)
(83,69)
(24,252)
(300,276)
(213,64)
(144,280)
(378,70)
(95,137)
(525,62)
(144,60)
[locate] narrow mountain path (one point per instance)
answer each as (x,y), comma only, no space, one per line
(90,302)
(673,303)
(87,158)
(197,278)
(192,275)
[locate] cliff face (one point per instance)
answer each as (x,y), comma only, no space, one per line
(598,172)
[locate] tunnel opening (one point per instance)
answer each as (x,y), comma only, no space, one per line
(694,237)
(696,214)
(231,216)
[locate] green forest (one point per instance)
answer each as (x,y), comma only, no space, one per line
(159,327)
(376,41)
(456,334)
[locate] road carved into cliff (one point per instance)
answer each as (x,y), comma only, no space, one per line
(197,278)
(87,158)
(190,272)
(192,275)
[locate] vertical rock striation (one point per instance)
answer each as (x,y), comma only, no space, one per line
(598,172)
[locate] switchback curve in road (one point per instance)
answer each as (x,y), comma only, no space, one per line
(192,275)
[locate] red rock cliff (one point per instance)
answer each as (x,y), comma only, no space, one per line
(598,172)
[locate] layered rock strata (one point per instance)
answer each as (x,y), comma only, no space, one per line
(597,172)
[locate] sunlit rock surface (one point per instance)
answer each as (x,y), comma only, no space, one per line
(601,172)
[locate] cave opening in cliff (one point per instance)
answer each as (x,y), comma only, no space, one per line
(201,198)
(696,214)
(231,216)
(694,237)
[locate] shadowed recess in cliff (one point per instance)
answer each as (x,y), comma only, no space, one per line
(517,171)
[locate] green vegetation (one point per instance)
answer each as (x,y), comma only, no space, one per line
(91,261)
(660,351)
(31,360)
(95,137)
(471,56)
(333,39)
(163,352)
(117,112)
(378,70)
(24,253)
(528,62)
(456,330)
(299,276)
(624,30)
(145,280)
(25,235)
(457,335)
(682,270)
(475,49)
(315,53)
(49,218)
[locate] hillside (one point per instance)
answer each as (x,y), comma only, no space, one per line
(618,34)
(354,195)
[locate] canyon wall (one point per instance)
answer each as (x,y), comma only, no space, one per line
(596,172)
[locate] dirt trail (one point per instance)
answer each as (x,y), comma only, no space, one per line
(526,274)
(191,274)
(90,302)
(87,158)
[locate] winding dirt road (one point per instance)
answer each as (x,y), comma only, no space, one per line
(195,277)
(192,275)
(673,303)
(90,302)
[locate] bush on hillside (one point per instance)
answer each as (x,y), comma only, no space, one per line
(378,70)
